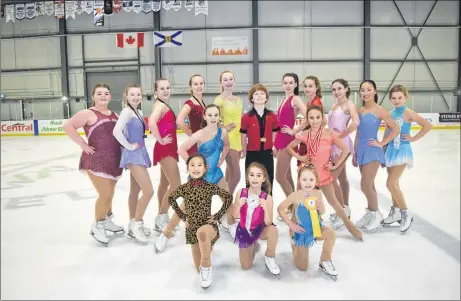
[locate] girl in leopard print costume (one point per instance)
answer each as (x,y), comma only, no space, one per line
(201,226)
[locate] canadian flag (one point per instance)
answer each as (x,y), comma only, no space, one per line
(130,40)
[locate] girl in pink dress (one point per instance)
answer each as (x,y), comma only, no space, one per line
(313,92)
(162,124)
(100,157)
(192,109)
(287,112)
(339,116)
(319,142)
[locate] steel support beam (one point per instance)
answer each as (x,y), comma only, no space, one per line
(414,43)
(157,50)
(366,39)
(64,67)
(255,23)
(458,89)
(151,29)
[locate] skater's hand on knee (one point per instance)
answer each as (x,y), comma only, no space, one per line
(296,228)
(186,224)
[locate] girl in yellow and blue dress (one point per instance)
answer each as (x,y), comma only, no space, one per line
(306,226)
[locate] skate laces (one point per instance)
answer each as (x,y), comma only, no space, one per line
(403,217)
(328,264)
(272,262)
(366,217)
(205,273)
(332,216)
(392,211)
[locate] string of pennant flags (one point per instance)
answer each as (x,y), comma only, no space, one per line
(99,9)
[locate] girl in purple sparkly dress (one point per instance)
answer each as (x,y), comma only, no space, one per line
(255,206)
(129,132)
(100,157)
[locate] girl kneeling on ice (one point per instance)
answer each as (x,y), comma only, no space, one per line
(305,225)
(201,227)
(255,207)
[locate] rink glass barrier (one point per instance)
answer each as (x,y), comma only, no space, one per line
(55,127)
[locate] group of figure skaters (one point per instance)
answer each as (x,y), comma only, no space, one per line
(219,133)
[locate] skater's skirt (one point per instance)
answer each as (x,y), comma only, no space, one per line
(246,239)
(400,156)
(139,156)
(367,154)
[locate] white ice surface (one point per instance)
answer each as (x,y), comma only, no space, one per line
(47,207)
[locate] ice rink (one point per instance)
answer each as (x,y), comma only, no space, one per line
(47,207)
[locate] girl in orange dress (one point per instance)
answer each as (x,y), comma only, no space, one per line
(319,141)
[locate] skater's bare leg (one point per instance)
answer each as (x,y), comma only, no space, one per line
(301,257)
(271,234)
(329,238)
(329,193)
(142,178)
(105,189)
(247,256)
(205,234)
(133,196)
(196,256)
(170,169)
(174,221)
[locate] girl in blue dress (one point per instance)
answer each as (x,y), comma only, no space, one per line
(213,144)
(305,224)
(369,153)
(129,132)
(399,155)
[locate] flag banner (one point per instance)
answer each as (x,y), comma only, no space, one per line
(9,11)
(40,8)
(98,15)
(137,6)
(201,7)
(70,9)
(117,6)
(127,5)
(130,40)
(20,11)
(156,5)
(146,6)
(189,4)
(168,38)
(59,9)
(30,10)
(176,5)
(108,7)
(167,4)
(78,7)
(89,7)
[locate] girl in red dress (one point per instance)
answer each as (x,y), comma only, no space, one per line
(162,123)
(193,109)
